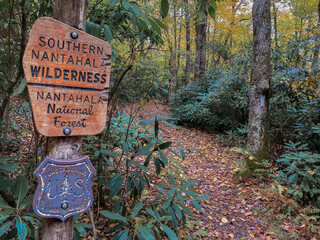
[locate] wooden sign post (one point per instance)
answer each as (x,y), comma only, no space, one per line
(67,73)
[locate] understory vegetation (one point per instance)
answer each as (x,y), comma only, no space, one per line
(178,171)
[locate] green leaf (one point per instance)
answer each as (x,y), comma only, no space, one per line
(20,188)
(5,214)
(93,29)
(145,122)
(107,33)
(174,152)
(198,207)
(125,149)
(113,3)
(27,202)
(141,166)
(135,8)
(202,16)
(76,235)
(163,157)
(177,210)
(189,192)
(136,210)
(4,204)
(170,124)
(22,228)
(169,232)
(113,180)
(135,181)
(22,86)
(173,182)
(213,4)
(115,188)
(125,4)
(174,218)
(203,197)
(212,12)
(188,184)
(161,24)
(182,153)
(157,164)
(155,27)
(81,230)
(32,220)
(164,8)
(123,235)
(143,25)
(4,227)
(113,216)
(9,167)
(144,151)
(149,210)
(145,232)
(292,178)
(163,146)
(5,183)
(166,204)
(109,153)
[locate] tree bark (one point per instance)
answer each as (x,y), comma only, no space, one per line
(171,70)
(178,52)
(315,60)
(201,39)
(188,46)
(275,24)
(197,60)
(258,126)
(12,83)
(73,13)
(203,50)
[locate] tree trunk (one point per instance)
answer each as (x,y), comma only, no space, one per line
(201,40)
(73,13)
(187,70)
(258,126)
(315,60)
(275,23)
(13,81)
(179,53)
(61,148)
(171,70)
(203,43)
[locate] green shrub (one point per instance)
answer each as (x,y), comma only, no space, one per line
(129,165)
(300,173)
(219,102)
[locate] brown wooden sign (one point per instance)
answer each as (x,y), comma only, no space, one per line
(67,73)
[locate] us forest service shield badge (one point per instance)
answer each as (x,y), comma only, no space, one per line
(64,187)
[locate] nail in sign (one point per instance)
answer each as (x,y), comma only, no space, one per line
(67,73)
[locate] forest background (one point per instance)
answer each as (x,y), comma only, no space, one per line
(195,56)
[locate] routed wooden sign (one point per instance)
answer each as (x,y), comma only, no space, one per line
(67,73)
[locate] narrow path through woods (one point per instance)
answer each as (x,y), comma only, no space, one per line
(228,214)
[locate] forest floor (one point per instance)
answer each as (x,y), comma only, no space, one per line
(252,208)
(238,208)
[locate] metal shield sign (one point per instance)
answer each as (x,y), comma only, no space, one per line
(64,187)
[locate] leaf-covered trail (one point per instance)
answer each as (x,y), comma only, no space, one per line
(228,214)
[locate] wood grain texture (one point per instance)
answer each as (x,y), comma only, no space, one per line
(83,112)
(67,78)
(71,12)
(61,148)
(53,57)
